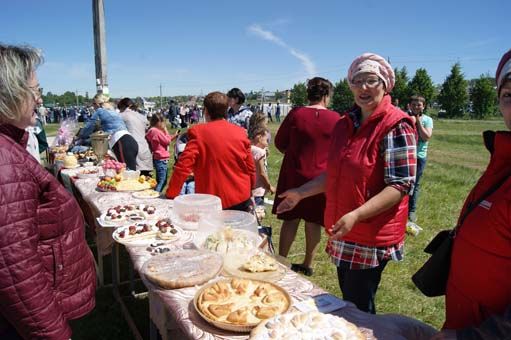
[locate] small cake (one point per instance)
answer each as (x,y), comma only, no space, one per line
(166,230)
(70,161)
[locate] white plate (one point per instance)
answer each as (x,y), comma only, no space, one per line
(178,236)
(141,241)
(82,176)
(140,194)
(106,223)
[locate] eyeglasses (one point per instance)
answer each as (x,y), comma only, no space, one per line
(370,83)
(36,91)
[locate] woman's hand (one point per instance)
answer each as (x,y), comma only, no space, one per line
(446,334)
(272,189)
(344,225)
(291,199)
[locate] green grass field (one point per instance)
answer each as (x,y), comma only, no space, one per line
(456,159)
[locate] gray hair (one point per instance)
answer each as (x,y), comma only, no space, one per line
(17,63)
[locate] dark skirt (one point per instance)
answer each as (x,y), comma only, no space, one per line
(310,209)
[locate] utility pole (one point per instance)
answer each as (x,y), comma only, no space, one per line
(98,13)
(161,103)
(76,96)
(262,98)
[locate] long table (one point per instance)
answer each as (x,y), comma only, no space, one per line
(172,311)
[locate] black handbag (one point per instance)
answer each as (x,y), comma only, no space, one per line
(431,278)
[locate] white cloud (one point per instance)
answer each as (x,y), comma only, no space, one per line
(266,35)
(304,59)
(310,67)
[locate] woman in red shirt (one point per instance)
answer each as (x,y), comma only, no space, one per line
(304,137)
(219,155)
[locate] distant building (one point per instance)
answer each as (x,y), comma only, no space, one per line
(147,105)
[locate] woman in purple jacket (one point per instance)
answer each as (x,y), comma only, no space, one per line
(47,274)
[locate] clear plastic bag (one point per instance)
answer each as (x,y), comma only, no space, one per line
(66,133)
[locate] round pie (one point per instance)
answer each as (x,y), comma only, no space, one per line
(182,268)
(136,232)
(309,326)
(241,302)
(128,213)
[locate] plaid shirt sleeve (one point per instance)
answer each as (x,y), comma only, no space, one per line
(399,156)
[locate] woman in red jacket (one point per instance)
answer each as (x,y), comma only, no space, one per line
(47,274)
(219,154)
(478,293)
(304,137)
(370,172)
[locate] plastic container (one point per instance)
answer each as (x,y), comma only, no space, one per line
(210,224)
(188,209)
(131,174)
(228,218)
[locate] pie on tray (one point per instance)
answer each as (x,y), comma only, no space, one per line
(182,268)
(309,326)
(129,213)
(242,303)
(139,231)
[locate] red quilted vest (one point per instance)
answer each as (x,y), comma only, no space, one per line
(479,278)
(355,173)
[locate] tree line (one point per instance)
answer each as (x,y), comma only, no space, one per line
(67,99)
(455,98)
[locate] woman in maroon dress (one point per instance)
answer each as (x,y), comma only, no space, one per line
(304,137)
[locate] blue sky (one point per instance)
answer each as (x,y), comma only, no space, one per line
(199,46)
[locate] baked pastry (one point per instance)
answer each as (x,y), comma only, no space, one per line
(220,310)
(166,230)
(125,213)
(260,263)
(132,185)
(240,301)
(310,326)
(70,161)
(134,232)
(183,268)
(228,240)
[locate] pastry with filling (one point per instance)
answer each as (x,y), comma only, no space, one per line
(166,230)
(309,326)
(260,263)
(240,301)
(220,310)
(135,232)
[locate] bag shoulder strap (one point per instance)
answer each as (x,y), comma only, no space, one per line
(471,206)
